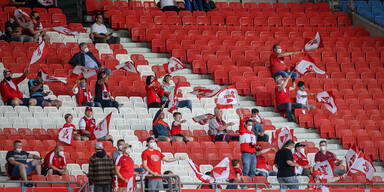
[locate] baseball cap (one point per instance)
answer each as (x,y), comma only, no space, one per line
(299,145)
(99,145)
(6,70)
(88,109)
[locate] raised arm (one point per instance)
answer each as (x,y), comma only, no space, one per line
(285,82)
(289,53)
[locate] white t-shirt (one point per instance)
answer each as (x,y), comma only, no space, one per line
(165,3)
(299,99)
(99,28)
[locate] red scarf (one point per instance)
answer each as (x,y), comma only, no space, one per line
(105,90)
(80,96)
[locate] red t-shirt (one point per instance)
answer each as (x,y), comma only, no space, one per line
(151,90)
(176,128)
(153,158)
(52,159)
(126,169)
(9,92)
(277,64)
(261,162)
(282,96)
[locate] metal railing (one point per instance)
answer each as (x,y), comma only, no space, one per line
(168,178)
(25,188)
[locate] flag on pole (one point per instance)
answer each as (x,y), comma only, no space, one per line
(326,167)
(364,165)
(87,72)
(49,78)
(64,30)
(308,66)
(281,136)
(224,170)
(327,98)
(102,129)
(130,187)
(312,44)
(202,177)
(39,53)
(173,65)
(66,134)
(227,97)
(351,156)
(128,66)
(210,91)
(46,2)
(23,19)
(172,105)
(203,119)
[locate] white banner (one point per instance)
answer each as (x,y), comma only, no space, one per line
(281,136)
(326,167)
(203,119)
(49,78)
(65,135)
(102,129)
(65,31)
(227,97)
(85,71)
(206,91)
(39,53)
(172,105)
(173,65)
(364,165)
(128,66)
(23,19)
(313,43)
(326,98)
(308,66)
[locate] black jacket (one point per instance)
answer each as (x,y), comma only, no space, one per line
(79,59)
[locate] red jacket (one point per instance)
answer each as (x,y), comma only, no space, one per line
(7,92)
(246,138)
(151,89)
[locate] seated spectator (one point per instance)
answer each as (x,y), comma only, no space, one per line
(161,129)
(218,128)
(300,158)
(262,169)
(17,162)
(168,89)
(68,124)
(87,126)
(154,92)
(37,31)
(119,151)
(102,92)
(318,177)
(258,126)
(83,94)
(166,181)
(278,67)
(87,59)
(36,91)
(239,174)
(176,128)
(124,169)
(325,155)
(101,169)
(10,92)
(100,34)
(55,163)
(302,96)
(283,100)
(13,31)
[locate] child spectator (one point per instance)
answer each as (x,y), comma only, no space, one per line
(302,96)
(68,124)
(239,173)
(176,128)
(258,126)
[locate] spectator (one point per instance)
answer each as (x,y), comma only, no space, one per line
(258,126)
(300,158)
(176,128)
(100,34)
(55,163)
(13,31)
(87,126)
(10,92)
(168,89)
(173,180)
(36,91)
(18,165)
(286,166)
(247,146)
(262,168)
(168,5)
(68,124)
(283,101)
(83,94)
(154,92)
(218,128)
(161,129)
(239,174)
(86,58)
(37,31)
(302,96)
(124,168)
(101,170)
(119,151)
(102,92)
(325,155)
(318,177)
(151,159)
(278,67)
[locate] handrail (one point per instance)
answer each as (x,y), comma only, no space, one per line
(168,177)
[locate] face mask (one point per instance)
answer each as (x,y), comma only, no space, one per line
(153,145)
(302,88)
(249,128)
(61,153)
(18,150)
(83,85)
(121,147)
(8,78)
(86,50)
(279,50)
(37,18)
(323,148)
(302,151)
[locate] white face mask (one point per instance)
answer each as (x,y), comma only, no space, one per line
(302,151)
(323,148)
(86,50)
(153,145)
(61,153)
(249,128)
(279,50)
(18,150)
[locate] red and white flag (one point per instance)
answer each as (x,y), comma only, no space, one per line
(203,119)
(128,66)
(172,105)
(130,187)
(87,72)
(23,19)
(351,156)
(46,2)
(281,136)
(39,53)
(364,165)
(201,176)
(49,78)
(173,65)
(227,97)
(308,66)
(210,91)
(66,134)
(327,98)
(326,167)
(64,30)
(312,44)
(223,171)
(102,129)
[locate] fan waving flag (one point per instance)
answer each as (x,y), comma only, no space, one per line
(172,105)
(312,44)
(102,129)
(326,167)
(351,156)
(49,78)
(203,119)
(64,30)
(87,72)
(173,65)
(364,165)
(326,98)
(308,66)
(282,135)
(202,177)
(23,19)
(128,66)
(210,91)
(227,97)
(39,53)
(46,2)
(66,134)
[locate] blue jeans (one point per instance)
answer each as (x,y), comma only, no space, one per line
(292,179)
(92,104)
(288,107)
(185,103)
(249,164)
(285,74)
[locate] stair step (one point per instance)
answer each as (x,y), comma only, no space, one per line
(139,50)
(133,45)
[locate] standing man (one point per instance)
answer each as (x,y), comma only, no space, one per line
(124,169)
(151,159)
(120,149)
(100,34)
(247,146)
(278,67)
(36,91)
(217,126)
(101,170)
(55,163)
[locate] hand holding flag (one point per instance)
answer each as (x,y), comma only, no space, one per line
(202,92)
(102,129)
(312,44)
(308,66)
(173,64)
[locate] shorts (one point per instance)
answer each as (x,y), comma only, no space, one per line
(40,100)
(15,170)
(44,171)
(24,100)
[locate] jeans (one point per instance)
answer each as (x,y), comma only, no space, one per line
(185,103)
(155,184)
(102,188)
(249,164)
(92,104)
(289,107)
(285,74)
(112,40)
(292,179)
(109,103)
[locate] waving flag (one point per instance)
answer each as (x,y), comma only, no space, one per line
(39,53)
(87,72)
(281,136)
(49,78)
(351,156)
(128,66)
(312,44)
(308,66)
(173,65)
(227,97)
(130,187)
(203,119)
(326,98)
(210,91)
(23,19)
(66,134)
(224,170)
(364,165)
(64,30)
(46,2)
(102,129)
(326,167)
(172,105)
(202,177)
